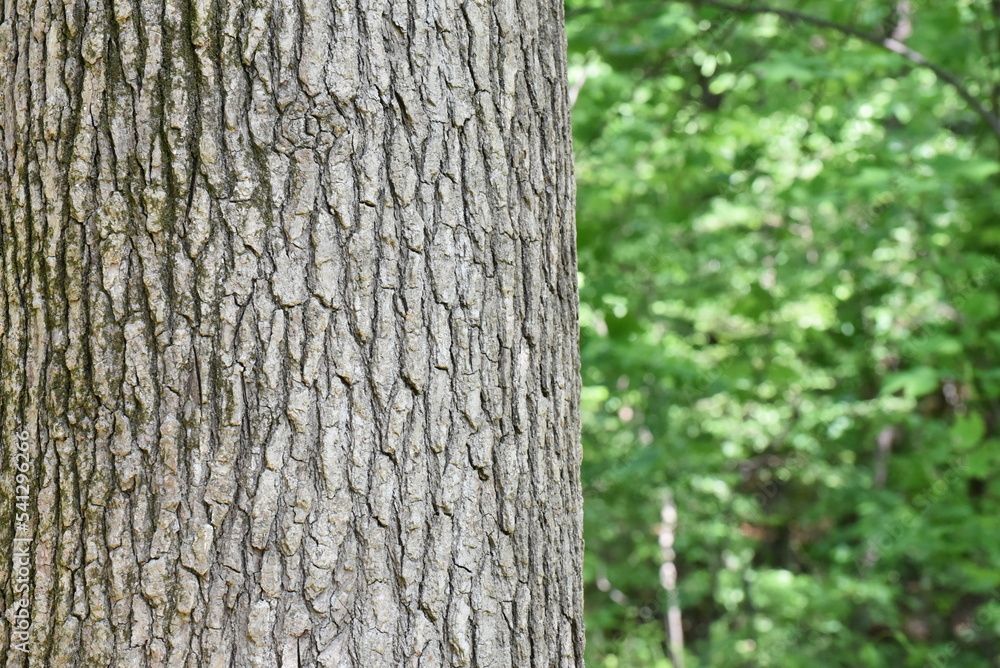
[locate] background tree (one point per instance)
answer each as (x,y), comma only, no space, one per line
(788,250)
(289,328)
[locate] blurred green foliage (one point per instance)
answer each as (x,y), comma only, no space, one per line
(788,244)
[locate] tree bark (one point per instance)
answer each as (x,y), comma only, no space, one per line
(289,343)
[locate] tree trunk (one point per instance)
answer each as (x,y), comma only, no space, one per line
(289,343)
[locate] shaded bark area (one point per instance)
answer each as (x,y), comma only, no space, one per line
(289,318)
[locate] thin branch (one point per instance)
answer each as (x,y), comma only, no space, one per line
(668,580)
(888,43)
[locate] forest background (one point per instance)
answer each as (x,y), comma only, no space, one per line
(788,243)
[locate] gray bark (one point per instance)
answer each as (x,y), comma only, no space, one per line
(288,334)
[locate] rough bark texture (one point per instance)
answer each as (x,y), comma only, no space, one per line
(289,318)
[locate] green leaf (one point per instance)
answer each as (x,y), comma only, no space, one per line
(978,306)
(982,462)
(971,170)
(914,383)
(967,431)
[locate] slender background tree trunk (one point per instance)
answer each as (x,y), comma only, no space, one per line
(289,340)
